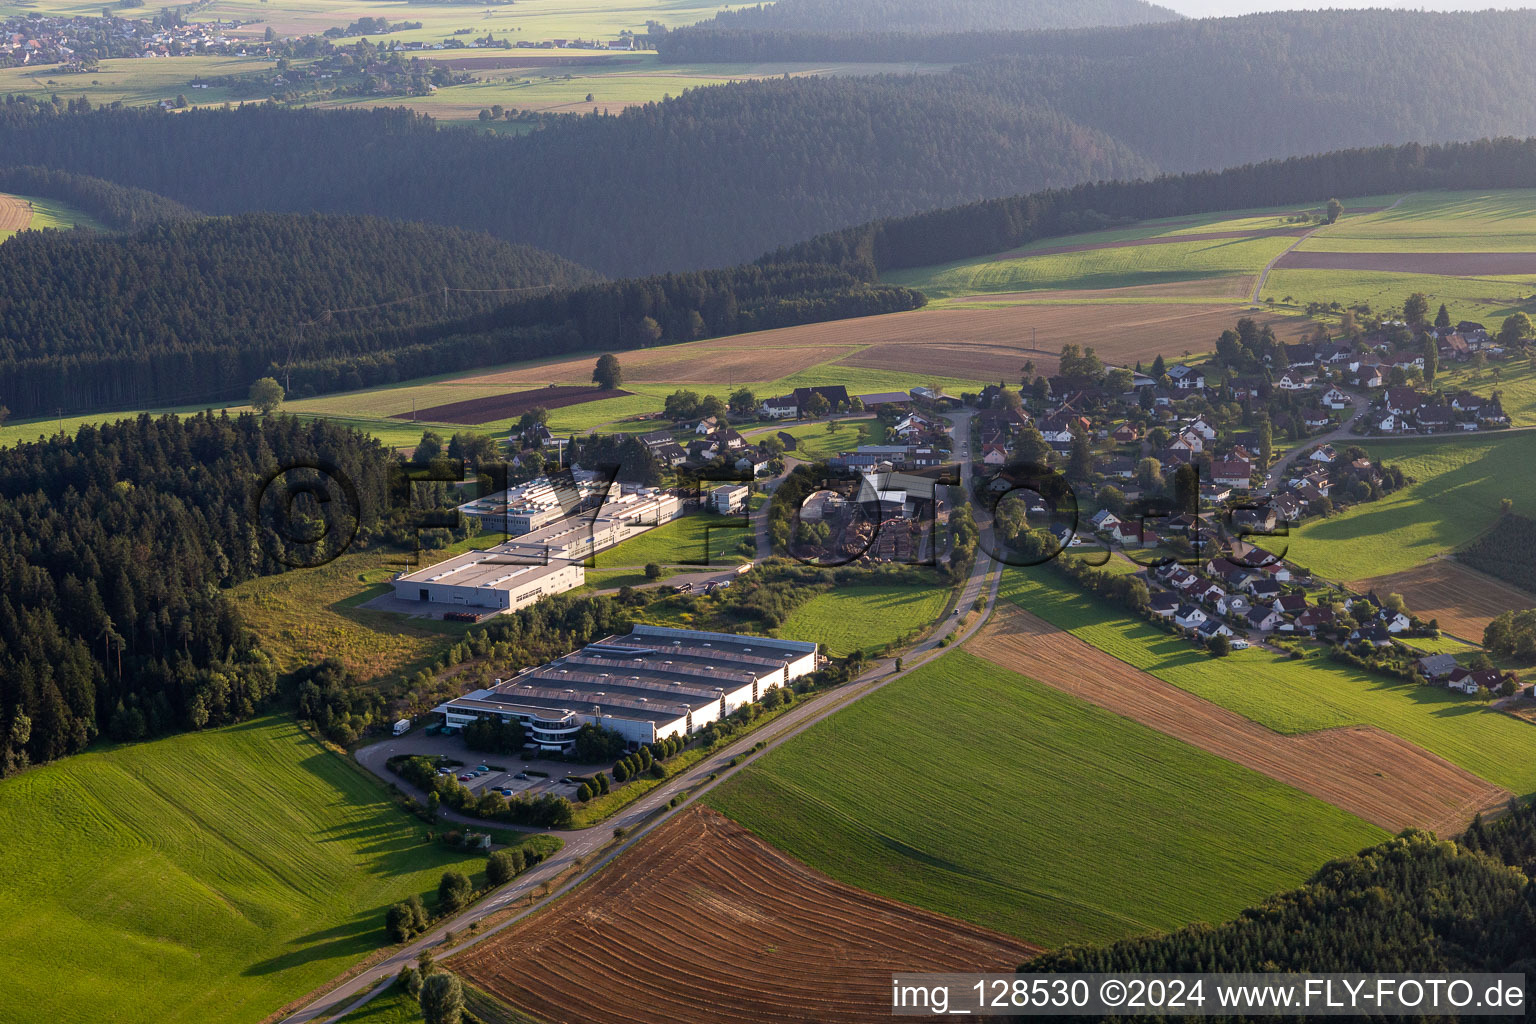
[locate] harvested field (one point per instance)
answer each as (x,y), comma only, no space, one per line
(733,930)
(1366,771)
(1463,600)
(15,214)
(1443,264)
(1131,243)
(502,407)
(985,343)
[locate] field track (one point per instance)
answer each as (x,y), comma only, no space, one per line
(1464,601)
(502,407)
(1366,771)
(1443,264)
(704,923)
(15,214)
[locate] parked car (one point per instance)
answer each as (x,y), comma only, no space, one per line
(520,775)
(481,768)
(506,792)
(465,777)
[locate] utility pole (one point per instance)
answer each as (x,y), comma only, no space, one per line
(59,411)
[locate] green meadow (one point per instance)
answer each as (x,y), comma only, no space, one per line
(53,213)
(1496,221)
(205,877)
(1460,482)
(979,793)
(866,617)
(1292,696)
(1489,299)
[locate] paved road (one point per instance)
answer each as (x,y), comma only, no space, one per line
(595,847)
(1359,405)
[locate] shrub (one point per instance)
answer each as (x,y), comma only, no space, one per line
(501,868)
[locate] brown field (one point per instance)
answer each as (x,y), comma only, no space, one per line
(1444,264)
(1136,243)
(984,344)
(1370,773)
(704,923)
(502,407)
(955,341)
(15,214)
(1464,601)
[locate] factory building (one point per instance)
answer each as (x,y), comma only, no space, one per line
(494,580)
(539,502)
(652,683)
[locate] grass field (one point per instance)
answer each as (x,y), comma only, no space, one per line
(976,792)
(1460,483)
(46,213)
(206,877)
(866,618)
(1489,299)
(704,539)
(1497,221)
(305,615)
(817,442)
(1293,696)
(1515,382)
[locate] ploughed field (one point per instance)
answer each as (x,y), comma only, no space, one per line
(501,407)
(15,214)
(704,923)
(1364,770)
(1462,600)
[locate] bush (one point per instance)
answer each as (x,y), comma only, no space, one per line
(503,866)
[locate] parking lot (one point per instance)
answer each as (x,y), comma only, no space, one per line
(498,772)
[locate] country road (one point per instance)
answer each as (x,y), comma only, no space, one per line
(593,848)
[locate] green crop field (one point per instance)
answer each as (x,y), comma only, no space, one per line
(1460,482)
(979,793)
(52,213)
(1293,696)
(1123,267)
(1515,382)
(1498,221)
(205,877)
(704,539)
(866,618)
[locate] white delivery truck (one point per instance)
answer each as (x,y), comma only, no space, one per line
(402,727)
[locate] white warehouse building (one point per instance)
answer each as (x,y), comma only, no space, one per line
(494,579)
(653,683)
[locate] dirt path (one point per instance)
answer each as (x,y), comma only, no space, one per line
(1370,773)
(15,214)
(710,900)
(1264,274)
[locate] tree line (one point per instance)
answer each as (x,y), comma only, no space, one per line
(116,206)
(996,225)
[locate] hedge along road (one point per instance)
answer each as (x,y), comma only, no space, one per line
(595,847)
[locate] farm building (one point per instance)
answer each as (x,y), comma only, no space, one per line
(653,683)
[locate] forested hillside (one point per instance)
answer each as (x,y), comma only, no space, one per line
(723,173)
(112,547)
(1000,224)
(113,205)
(710,178)
(1410,904)
(196,310)
(939,15)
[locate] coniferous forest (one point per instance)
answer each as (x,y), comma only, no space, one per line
(115,545)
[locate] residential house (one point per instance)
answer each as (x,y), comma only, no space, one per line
(1262,618)
(1186,378)
(1125,433)
(1189,617)
(1232,473)
(1163,604)
(1438,666)
(1335,399)
(1325,454)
